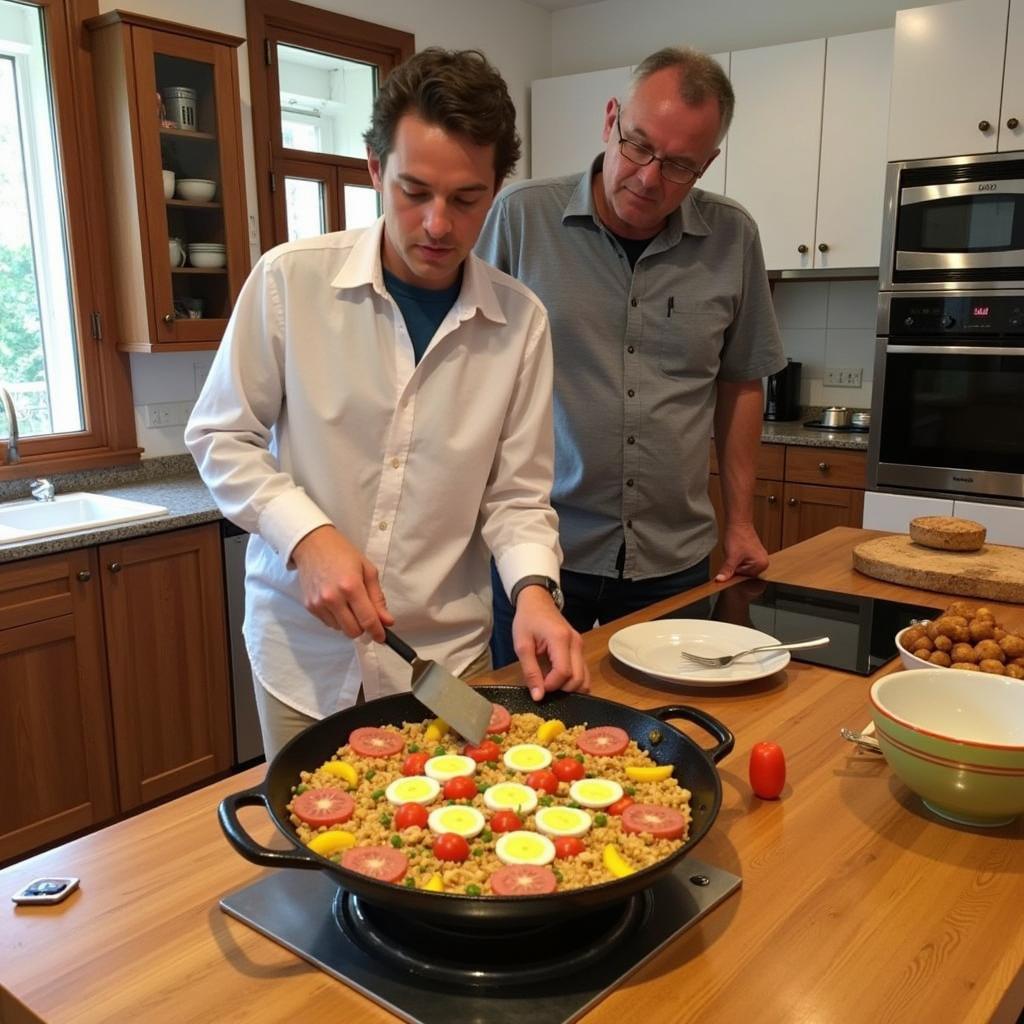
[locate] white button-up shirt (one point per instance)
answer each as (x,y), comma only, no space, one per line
(315,412)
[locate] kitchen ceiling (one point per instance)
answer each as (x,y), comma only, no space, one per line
(560,5)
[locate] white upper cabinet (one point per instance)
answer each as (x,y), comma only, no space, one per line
(713,179)
(948,79)
(1011,118)
(567,114)
(773,146)
(851,174)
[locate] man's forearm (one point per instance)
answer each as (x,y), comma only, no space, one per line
(738,413)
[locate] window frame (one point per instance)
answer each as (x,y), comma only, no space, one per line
(269,22)
(104,373)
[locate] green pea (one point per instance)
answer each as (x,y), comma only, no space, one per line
(590,775)
(478,851)
(546,801)
(481,786)
(410,883)
(572,803)
(600,820)
(385,820)
(440,752)
(300,789)
(629,790)
(472,890)
(414,748)
(396,842)
(580,758)
(376,794)
(369,775)
(557,874)
(486,836)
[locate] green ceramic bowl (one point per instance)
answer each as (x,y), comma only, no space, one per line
(956,739)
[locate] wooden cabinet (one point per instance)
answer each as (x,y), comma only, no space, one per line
(167,100)
(114,686)
(798,493)
(958,80)
(807,149)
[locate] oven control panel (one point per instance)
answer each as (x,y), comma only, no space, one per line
(962,316)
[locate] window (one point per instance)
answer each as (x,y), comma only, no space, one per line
(70,391)
(314,76)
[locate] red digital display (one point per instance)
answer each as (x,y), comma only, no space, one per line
(979,311)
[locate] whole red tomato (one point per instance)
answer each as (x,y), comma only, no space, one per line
(568,769)
(620,805)
(568,846)
(767,770)
(543,780)
(505,821)
(462,787)
(414,764)
(486,751)
(410,814)
(449,846)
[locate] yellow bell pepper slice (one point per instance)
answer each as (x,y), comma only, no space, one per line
(615,862)
(437,728)
(433,884)
(645,773)
(344,771)
(549,730)
(329,843)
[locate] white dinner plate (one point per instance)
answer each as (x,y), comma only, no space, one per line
(655,648)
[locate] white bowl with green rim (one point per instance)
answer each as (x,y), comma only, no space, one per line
(956,739)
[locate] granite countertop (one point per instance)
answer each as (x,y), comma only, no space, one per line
(795,432)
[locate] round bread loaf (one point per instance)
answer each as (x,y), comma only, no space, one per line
(947,533)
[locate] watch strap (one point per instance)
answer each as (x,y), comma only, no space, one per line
(550,585)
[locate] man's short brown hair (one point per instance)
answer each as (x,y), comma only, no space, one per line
(458,90)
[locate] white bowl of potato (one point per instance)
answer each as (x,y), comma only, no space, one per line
(964,637)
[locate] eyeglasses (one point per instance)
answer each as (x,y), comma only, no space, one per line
(678,174)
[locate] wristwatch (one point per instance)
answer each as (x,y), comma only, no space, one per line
(540,581)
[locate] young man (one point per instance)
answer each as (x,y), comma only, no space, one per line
(662,326)
(379,418)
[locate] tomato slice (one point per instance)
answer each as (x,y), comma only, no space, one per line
(767,770)
(450,846)
(545,781)
(568,769)
(608,740)
(380,862)
(501,720)
(505,821)
(660,822)
(486,751)
(523,880)
(411,814)
(462,787)
(568,846)
(370,742)
(414,763)
(328,807)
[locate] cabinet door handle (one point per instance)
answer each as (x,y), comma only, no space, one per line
(84,576)
(801,249)
(824,467)
(822,247)
(114,567)
(168,318)
(792,502)
(772,499)
(983,126)
(1012,123)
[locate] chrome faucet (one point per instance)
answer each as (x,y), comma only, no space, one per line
(42,489)
(12,419)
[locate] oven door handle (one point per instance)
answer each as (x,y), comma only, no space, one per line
(950,190)
(953,350)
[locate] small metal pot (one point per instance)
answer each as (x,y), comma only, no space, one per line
(860,419)
(835,416)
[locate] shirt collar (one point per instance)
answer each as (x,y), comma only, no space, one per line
(685,220)
(363,267)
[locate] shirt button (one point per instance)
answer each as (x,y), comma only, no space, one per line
(631,439)
(630,349)
(396,463)
(382,525)
(632,302)
(629,482)
(631,392)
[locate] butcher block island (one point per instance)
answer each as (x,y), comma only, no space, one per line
(857,904)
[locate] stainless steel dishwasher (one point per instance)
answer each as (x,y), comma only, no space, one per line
(248,739)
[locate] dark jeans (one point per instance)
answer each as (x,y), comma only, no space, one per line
(592,599)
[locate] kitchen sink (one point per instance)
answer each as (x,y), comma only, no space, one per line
(23,520)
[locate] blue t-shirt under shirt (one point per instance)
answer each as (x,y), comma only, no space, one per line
(422,308)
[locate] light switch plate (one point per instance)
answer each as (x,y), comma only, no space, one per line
(848,377)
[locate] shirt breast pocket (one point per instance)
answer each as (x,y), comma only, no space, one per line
(690,341)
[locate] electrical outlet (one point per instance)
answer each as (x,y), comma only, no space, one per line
(848,377)
(253,236)
(166,414)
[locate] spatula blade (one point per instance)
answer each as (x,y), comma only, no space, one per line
(448,697)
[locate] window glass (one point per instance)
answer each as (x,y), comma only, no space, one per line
(326,101)
(304,201)
(38,346)
(361,206)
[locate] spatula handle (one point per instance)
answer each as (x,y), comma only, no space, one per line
(399,646)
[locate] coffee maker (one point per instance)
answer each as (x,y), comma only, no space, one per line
(782,394)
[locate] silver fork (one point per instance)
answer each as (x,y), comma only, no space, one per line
(720,661)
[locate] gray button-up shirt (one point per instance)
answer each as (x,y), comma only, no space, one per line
(637,357)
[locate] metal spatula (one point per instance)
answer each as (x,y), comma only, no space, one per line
(447,696)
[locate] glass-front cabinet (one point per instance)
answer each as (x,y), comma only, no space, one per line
(168,108)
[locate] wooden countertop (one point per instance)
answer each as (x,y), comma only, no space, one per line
(857,904)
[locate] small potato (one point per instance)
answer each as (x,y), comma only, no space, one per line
(948,625)
(940,658)
(924,644)
(998,633)
(992,666)
(911,636)
(1018,661)
(1015,671)
(989,650)
(1012,645)
(943,643)
(963,652)
(981,629)
(966,666)
(985,613)
(932,629)
(961,608)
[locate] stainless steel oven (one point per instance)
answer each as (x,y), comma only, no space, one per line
(955,223)
(948,395)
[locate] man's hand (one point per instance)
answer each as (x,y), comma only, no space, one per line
(539,629)
(744,553)
(339,586)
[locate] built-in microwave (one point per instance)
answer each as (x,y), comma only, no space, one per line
(954,223)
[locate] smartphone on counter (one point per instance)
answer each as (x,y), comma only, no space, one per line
(46,890)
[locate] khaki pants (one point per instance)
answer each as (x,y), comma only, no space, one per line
(279,722)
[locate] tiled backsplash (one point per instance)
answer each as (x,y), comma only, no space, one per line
(164,380)
(829,325)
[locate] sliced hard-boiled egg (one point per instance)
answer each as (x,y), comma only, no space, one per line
(511,796)
(595,792)
(562,821)
(412,789)
(449,766)
(463,821)
(526,757)
(524,848)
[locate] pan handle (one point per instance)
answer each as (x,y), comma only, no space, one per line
(244,844)
(725,738)
(399,646)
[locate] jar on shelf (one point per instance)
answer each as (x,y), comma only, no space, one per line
(180,102)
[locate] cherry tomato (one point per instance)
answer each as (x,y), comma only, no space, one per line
(767,770)
(505,821)
(410,814)
(543,781)
(568,846)
(568,769)
(486,751)
(449,846)
(414,764)
(620,805)
(462,787)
